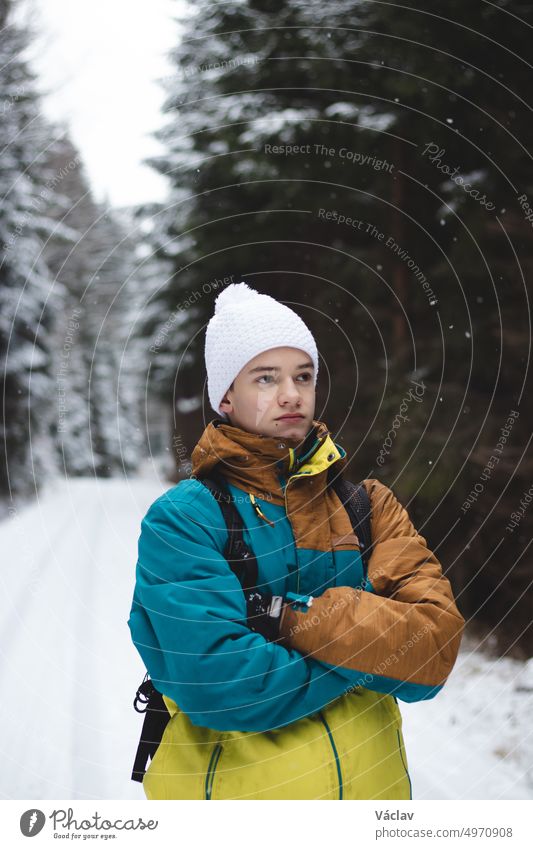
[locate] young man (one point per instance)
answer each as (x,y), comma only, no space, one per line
(312,713)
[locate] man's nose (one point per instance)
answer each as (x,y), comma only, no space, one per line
(288,391)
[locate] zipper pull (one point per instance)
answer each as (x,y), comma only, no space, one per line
(299,603)
(258,510)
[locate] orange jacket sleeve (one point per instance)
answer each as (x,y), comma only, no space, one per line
(403,626)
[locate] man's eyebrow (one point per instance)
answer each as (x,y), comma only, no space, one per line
(277,368)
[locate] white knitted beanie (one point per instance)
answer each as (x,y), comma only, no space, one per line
(244,325)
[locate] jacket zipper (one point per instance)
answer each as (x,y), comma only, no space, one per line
(284,484)
(404,764)
(210,776)
(333,746)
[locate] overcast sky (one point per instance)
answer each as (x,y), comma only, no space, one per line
(99,61)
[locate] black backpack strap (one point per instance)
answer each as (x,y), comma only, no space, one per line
(155,721)
(238,554)
(356,501)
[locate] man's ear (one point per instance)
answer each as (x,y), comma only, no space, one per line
(225,405)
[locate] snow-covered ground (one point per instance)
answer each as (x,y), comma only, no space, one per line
(69,669)
(475,739)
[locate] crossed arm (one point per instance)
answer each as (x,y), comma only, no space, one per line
(405,625)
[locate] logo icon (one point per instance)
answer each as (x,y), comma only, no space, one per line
(32,822)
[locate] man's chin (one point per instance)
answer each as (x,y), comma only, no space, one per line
(292,429)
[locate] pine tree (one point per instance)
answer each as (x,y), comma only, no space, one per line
(93,256)
(28,297)
(236,209)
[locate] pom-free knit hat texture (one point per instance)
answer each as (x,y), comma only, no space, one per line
(245,324)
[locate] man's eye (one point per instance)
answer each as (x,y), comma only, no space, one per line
(268,377)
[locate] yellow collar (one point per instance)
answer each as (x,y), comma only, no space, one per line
(318,459)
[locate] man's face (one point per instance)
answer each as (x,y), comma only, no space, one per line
(271,388)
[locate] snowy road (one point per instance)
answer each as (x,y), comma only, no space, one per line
(69,669)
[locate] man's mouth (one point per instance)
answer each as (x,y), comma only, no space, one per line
(290,417)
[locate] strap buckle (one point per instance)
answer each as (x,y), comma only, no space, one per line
(144,692)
